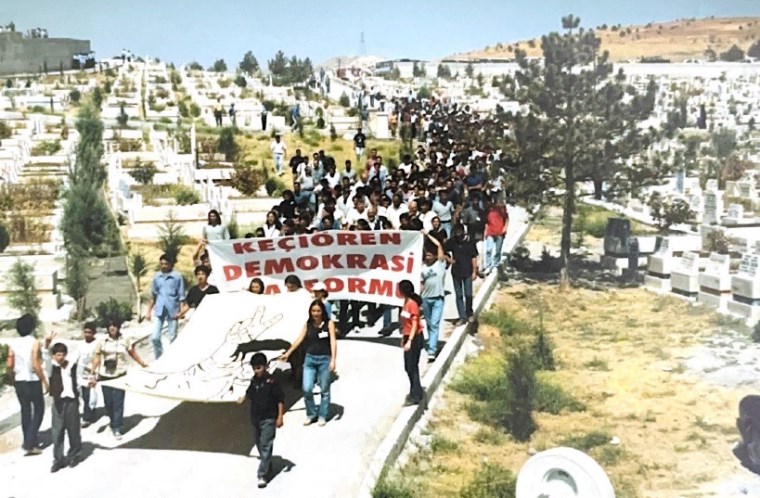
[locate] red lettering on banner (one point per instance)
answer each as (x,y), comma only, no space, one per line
(303,242)
(390,238)
(266,245)
(409,265)
(242,247)
(334,284)
(397,263)
(331,261)
(252,269)
(322,240)
(307,263)
(356,285)
(286,244)
(367,238)
(381,287)
(346,239)
(356,261)
(309,283)
(232,272)
(276,266)
(272,289)
(379,262)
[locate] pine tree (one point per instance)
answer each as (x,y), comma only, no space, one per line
(23,289)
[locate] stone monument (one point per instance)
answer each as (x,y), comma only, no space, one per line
(745,289)
(715,281)
(659,266)
(684,280)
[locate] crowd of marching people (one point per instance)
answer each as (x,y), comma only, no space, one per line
(448,186)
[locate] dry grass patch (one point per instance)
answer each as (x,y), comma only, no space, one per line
(676,431)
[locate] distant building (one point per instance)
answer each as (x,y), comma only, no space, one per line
(38,53)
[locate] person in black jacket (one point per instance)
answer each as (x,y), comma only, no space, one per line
(65,393)
(267,411)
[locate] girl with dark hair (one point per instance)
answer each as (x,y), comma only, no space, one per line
(272,226)
(215,230)
(256,286)
(411,340)
(318,336)
(109,361)
(293,283)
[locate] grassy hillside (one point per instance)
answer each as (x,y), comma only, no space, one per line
(676,40)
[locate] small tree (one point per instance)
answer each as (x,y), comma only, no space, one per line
(521,382)
(443,71)
(172,236)
(139,268)
(344,100)
(219,66)
(113,310)
(77,280)
(143,173)
(247,179)
(23,289)
(122,118)
(241,81)
(75,95)
(733,54)
(195,66)
(249,64)
(469,70)
(668,212)
(5,238)
(227,144)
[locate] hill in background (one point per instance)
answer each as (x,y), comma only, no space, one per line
(676,41)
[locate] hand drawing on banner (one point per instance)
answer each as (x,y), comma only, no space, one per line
(215,377)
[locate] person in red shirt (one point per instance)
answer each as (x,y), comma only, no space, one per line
(497,220)
(412,340)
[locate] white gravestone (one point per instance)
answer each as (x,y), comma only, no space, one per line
(715,281)
(659,267)
(745,289)
(563,473)
(382,127)
(735,213)
(713,207)
(747,190)
(711,186)
(685,278)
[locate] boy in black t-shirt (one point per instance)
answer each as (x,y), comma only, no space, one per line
(197,292)
(267,410)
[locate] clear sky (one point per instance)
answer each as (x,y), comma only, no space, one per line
(181,30)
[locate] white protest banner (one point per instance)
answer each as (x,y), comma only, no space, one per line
(210,360)
(363,266)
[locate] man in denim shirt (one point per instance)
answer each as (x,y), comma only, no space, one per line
(168,290)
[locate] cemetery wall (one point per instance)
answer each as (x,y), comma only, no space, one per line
(28,55)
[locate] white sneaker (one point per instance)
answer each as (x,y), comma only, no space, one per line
(117,435)
(322,422)
(308,421)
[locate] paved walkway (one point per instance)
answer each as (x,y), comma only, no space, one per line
(205,450)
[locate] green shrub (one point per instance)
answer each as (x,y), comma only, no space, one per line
(491,481)
(274,186)
(543,352)
(4,373)
(343,100)
(5,238)
(440,444)
(507,323)
(521,389)
(387,488)
(550,398)
(113,310)
(586,441)
(755,330)
(489,435)
(186,196)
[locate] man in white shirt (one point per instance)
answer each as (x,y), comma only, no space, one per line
(396,209)
(406,165)
(279,149)
(359,212)
(444,209)
(344,204)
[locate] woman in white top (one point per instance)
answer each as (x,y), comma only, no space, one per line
(215,230)
(272,226)
(25,361)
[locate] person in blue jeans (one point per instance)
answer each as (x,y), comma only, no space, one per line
(463,258)
(109,361)
(433,293)
(25,363)
(318,335)
(168,290)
